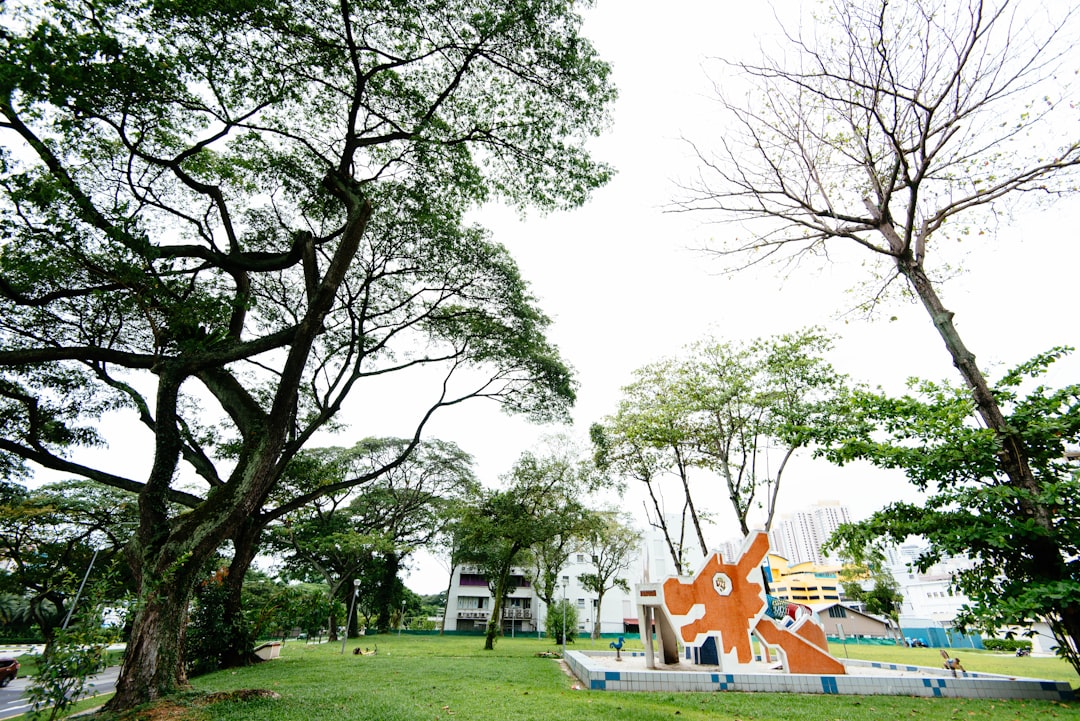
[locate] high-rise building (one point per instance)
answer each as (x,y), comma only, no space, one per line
(799,536)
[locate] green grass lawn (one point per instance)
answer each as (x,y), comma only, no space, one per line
(428,677)
(1006,664)
(453,678)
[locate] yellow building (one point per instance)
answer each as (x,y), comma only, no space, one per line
(806,583)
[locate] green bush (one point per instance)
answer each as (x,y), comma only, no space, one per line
(1005,644)
(63,672)
(561,615)
(209,636)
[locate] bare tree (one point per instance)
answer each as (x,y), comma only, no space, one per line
(899,126)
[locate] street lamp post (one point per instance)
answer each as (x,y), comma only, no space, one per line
(565,610)
(78,593)
(352,612)
(401,621)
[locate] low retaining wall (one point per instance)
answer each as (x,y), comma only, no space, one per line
(599,671)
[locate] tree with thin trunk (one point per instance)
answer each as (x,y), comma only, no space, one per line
(612,545)
(649,439)
(896,129)
(549,558)
(751,407)
(734,413)
(866,578)
(228,221)
(543,497)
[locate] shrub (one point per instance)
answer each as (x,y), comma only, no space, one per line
(1005,644)
(209,637)
(561,615)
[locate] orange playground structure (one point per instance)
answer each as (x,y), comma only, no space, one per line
(718,612)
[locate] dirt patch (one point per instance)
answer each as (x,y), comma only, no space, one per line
(164,711)
(242,694)
(191,708)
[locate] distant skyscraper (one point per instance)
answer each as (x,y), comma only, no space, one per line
(798,537)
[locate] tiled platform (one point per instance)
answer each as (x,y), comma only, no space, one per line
(600,672)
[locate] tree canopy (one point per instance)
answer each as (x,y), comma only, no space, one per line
(972,508)
(367,530)
(54,536)
(223,218)
(719,408)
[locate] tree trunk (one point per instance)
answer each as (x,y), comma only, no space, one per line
(494,624)
(446,603)
(1066,630)
(153,663)
(332,635)
(599,606)
(245,546)
(684,475)
(899,631)
(1012,457)
(661,523)
(774,491)
(386,595)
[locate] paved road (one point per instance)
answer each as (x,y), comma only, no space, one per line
(13,698)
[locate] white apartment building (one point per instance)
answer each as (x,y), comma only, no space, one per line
(926,595)
(470,602)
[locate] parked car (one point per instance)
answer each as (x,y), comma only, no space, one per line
(9,669)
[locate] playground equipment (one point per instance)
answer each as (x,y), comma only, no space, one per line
(721,610)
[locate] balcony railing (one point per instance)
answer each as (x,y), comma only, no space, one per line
(517,613)
(475,614)
(524,614)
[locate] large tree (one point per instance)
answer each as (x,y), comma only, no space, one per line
(225,217)
(366,531)
(409,506)
(893,129)
(399,489)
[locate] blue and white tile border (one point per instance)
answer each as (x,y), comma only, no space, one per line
(596,674)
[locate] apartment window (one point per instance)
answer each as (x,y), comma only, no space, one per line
(473,579)
(837,612)
(472,603)
(581,558)
(581,602)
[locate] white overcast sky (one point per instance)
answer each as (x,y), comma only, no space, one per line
(624,288)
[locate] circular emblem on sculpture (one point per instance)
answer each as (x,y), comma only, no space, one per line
(722,584)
